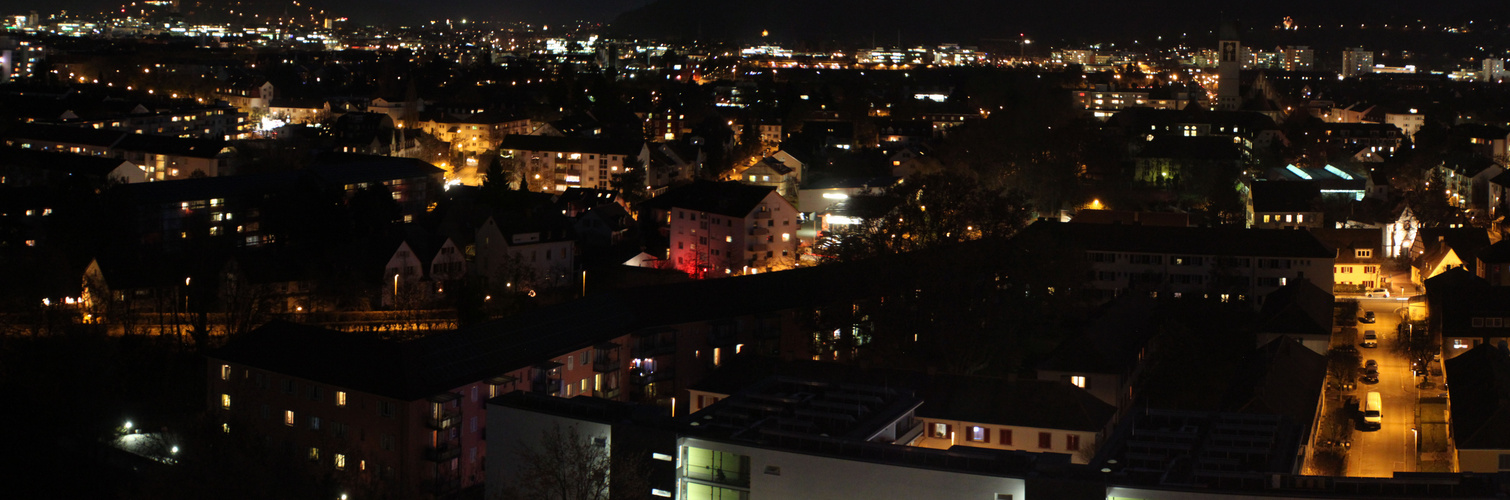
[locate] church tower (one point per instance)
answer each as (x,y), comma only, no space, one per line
(1229,65)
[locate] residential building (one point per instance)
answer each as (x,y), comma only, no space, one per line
(1439,249)
(476,133)
(1478,384)
(525,254)
(1360,259)
(1168,161)
(1286,205)
(772,172)
(1465,310)
(1103,104)
(420,268)
(1493,263)
(162,158)
(36,167)
(1216,262)
(20,59)
(719,229)
(1356,61)
(1493,69)
(1039,416)
(1298,311)
(670,162)
(1466,181)
(738,449)
(556,163)
(249,95)
(1298,58)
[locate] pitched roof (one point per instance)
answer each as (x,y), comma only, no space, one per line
(1479,382)
(1496,253)
(1110,342)
(1221,240)
(1348,241)
(422,367)
(569,145)
(1197,148)
(347,168)
(1028,403)
(1282,378)
(176,146)
(68,163)
(1286,196)
(1299,308)
(724,198)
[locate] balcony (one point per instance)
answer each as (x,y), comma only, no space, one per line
(606,358)
(442,452)
(638,376)
(446,420)
(763,214)
(611,393)
(606,364)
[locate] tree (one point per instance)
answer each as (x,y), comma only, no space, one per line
(568,465)
(631,182)
(934,210)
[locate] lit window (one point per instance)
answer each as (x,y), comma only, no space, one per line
(786,236)
(728,239)
(340,462)
(977,433)
(225,401)
(340,398)
(1078,381)
(288,418)
(661,456)
(225,372)
(314,453)
(226,428)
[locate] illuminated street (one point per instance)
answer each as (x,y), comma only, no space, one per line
(1390,449)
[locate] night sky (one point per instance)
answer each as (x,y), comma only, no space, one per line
(1089,17)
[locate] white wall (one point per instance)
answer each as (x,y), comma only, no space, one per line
(510,429)
(814,477)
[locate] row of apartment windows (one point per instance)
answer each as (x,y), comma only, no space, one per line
(980,434)
(1296,218)
(1489,322)
(1350,269)
(313,392)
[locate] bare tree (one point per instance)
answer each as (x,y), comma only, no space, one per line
(567,465)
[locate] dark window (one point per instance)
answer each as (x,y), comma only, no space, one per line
(1045,440)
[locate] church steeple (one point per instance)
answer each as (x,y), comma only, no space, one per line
(1229,65)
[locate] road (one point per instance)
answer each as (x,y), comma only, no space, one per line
(1392,448)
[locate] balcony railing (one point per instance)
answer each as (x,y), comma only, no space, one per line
(730,476)
(764,214)
(442,453)
(605,365)
(445,420)
(639,377)
(649,348)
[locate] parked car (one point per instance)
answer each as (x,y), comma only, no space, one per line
(1371,365)
(1370,375)
(1378,292)
(1368,317)
(1370,339)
